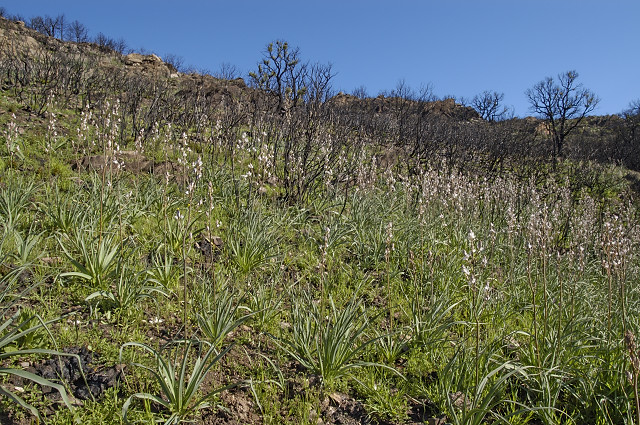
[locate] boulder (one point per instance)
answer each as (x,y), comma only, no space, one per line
(133,59)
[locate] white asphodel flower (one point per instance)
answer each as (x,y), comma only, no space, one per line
(155,321)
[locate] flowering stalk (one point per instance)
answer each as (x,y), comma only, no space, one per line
(387,258)
(632,348)
(11,139)
(470,258)
(196,168)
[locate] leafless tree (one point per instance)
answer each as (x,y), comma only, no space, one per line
(627,141)
(175,61)
(76,31)
(360,92)
(120,46)
(47,25)
(280,73)
(16,17)
(37,23)
(103,41)
(227,71)
(563,104)
(489,106)
(59,24)
(318,84)
(107,43)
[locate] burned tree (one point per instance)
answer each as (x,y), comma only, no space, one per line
(563,104)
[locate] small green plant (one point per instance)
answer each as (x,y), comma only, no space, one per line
(64,213)
(265,302)
(383,400)
(96,264)
(220,316)
(12,141)
(27,319)
(634,360)
(13,335)
(180,384)
(127,291)
(25,253)
(176,230)
(329,346)
(14,201)
(252,241)
(59,168)
(391,345)
(164,272)
(467,404)
(431,322)
(555,375)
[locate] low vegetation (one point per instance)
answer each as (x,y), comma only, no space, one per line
(223,256)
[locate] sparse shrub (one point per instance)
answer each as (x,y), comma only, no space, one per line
(59,169)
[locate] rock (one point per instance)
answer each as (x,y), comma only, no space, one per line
(240,82)
(210,249)
(511,346)
(285,325)
(165,168)
(460,400)
(133,59)
(338,398)
(51,260)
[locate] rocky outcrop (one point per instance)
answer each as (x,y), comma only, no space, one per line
(150,64)
(383,105)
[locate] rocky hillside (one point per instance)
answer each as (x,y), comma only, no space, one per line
(17,40)
(36,69)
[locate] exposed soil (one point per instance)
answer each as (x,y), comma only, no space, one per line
(81,372)
(238,408)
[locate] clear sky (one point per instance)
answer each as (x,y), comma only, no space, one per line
(460,47)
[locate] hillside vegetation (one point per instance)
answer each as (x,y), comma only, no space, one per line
(176,247)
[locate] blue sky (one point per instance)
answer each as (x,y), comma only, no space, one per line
(459,47)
